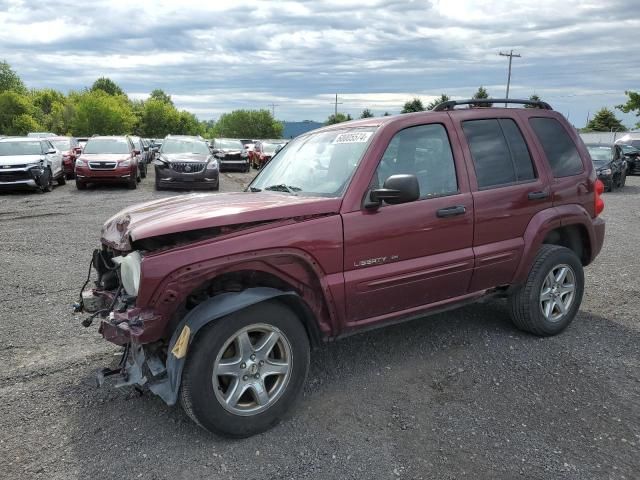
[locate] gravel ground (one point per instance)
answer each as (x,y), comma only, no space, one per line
(458,395)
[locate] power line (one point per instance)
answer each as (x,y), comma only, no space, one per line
(510,55)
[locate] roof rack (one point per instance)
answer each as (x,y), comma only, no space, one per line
(451,104)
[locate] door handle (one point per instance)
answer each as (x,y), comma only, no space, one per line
(451,211)
(541,195)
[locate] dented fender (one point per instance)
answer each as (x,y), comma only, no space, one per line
(208,311)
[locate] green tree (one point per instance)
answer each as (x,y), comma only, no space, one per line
(160,95)
(533,98)
(158,119)
(605,121)
(107,85)
(45,99)
(338,118)
(188,124)
(248,124)
(481,94)
(9,79)
(414,105)
(98,112)
(437,101)
(632,104)
(16,113)
(366,113)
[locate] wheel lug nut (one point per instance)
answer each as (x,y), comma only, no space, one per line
(261,362)
(243,365)
(253,356)
(257,375)
(245,378)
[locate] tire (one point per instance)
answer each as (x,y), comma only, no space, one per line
(62,180)
(80,185)
(623,181)
(143,170)
(48,187)
(132,184)
(157,183)
(609,186)
(204,403)
(526,303)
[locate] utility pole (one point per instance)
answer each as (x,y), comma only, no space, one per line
(273,109)
(336,103)
(510,55)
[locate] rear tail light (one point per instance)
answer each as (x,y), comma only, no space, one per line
(598,202)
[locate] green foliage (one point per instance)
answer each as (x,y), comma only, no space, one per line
(338,118)
(632,105)
(481,94)
(157,119)
(16,112)
(605,121)
(159,94)
(437,101)
(23,124)
(414,105)
(533,98)
(98,112)
(9,80)
(107,85)
(248,124)
(366,113)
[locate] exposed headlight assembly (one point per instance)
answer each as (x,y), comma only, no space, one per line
(605,171)
(130,272)
(212,165)
(124,163)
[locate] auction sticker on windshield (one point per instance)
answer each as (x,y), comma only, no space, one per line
(353,137)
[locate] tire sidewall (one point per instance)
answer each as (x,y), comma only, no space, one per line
(558,257)
(204,350)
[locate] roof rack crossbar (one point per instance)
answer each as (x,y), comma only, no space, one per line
(451,104)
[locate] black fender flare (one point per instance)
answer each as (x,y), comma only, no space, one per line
(205,313)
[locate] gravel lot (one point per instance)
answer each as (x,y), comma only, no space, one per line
(458,395)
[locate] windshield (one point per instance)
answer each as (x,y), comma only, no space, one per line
(270,147)
(185,146)
(229,144)
(20,148)
(629,149)
(107,145)
(600,154)
(316,164)
(62,145)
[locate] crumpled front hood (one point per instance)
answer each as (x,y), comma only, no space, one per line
(19,159)
(196,211)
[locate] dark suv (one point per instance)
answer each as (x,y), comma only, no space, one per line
(610,164)
(186,162)
(218,299)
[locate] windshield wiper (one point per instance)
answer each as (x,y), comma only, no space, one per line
(283,188)
(255,189)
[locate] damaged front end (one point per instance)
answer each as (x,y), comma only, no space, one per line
(112,300)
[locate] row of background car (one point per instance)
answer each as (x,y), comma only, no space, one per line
(613,162)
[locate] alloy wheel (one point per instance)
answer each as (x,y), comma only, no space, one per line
(557,292)
(252,369)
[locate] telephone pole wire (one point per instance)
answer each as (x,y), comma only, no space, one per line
(510,55)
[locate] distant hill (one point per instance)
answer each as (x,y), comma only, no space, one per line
(293,129)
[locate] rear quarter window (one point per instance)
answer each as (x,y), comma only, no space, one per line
(559,148)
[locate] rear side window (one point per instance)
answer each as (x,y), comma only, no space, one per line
(500,154)
(558,147)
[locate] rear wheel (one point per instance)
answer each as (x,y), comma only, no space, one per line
(623,180)
(245,371)
(549,300)
(143,170)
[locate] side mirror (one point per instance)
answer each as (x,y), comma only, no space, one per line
(136,152)
(52,151)
(78,150)
(146,149)
(396,189)
(278,148)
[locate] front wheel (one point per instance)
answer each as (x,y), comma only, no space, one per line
(549,300)
(62,180)
(245,371)
(133,183)
(46,181)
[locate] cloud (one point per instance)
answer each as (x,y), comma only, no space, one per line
(213,57)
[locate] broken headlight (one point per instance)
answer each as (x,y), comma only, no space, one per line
(130,272)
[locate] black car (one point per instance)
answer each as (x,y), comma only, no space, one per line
(610,164)
(144,157)
(186,162)
(231,154)
(632,154)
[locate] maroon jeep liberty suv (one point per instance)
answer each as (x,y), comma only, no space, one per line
(217,299)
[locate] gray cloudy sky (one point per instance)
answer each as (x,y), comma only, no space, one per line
(579,55)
